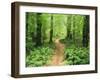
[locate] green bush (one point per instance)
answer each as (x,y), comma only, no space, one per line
(76,56)
(39,56)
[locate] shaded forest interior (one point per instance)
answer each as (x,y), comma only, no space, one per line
(45,31)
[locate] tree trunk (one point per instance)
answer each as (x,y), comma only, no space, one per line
(86,31)
(69,34)
(74,18)
(51,30)
(38,30)
(27,15)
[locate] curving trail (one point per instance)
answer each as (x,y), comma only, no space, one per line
(58,57)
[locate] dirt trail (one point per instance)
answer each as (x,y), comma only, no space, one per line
(58,57)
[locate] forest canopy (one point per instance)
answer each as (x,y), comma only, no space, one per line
(42,31)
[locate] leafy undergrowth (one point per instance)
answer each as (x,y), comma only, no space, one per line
(39,56)
(76,56)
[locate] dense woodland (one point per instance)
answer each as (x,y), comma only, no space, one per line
(45,31)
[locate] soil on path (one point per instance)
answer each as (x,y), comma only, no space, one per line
(58,56)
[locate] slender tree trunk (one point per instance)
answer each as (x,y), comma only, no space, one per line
(51,30)
(86,31)
(38,30)
(27,23)
(74,28)
(27,15)
(34,33)
(69,34)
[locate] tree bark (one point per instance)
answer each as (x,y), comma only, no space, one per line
(86,31)
(38,30)
(51,30)
(69,34)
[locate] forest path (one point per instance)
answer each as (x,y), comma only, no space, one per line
(58,56)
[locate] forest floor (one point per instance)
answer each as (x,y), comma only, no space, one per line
(58,55)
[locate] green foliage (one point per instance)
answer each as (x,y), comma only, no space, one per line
(39,56)
(43,28)
(31,21)
(76,56)
(59,26)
